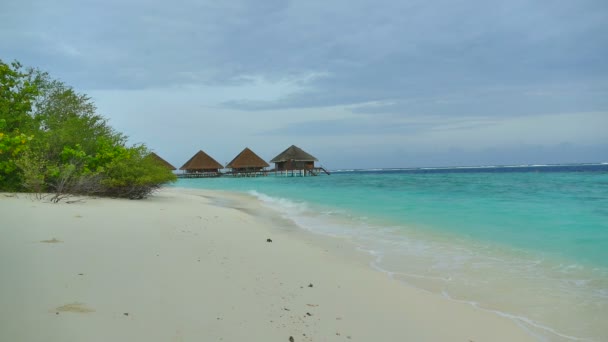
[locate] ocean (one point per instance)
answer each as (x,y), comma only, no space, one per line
(526,242)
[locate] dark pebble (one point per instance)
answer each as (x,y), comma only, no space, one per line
(309,285)
(268,240)
(308,314)
(126,314)
(291,339)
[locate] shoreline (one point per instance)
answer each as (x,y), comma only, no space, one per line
(374,259)
(551,298)
(189,264)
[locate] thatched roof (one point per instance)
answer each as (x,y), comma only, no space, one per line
(293,152)
(201,161)
(247,159)
(161,161)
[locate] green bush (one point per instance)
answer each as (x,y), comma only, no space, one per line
(12,146)
(33,172)
(133,174)
(52,139)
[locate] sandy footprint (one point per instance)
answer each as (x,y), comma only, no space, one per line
(53,240)
(75,308)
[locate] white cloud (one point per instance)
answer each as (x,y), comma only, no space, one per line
(409,77)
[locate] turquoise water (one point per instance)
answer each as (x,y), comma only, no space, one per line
(542,236)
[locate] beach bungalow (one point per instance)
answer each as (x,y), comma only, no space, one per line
(248,164)
(294,161)
(161,161)
(201,165)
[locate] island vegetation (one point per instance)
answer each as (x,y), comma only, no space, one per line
(53,141)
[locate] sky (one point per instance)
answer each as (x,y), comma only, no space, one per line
(358,84)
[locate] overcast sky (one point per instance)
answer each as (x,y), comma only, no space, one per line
(355,83)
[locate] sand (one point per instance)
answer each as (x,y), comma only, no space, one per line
(189,265)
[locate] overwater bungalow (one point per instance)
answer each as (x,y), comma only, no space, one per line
(247,164)
(295,161)
(161,161)
(201,165)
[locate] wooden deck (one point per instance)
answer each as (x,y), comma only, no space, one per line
(199,175)
(263,173)
(315,171)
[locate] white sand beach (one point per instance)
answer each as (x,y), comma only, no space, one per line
(188,265)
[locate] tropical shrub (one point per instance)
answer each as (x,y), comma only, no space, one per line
(12,145)
(52,139)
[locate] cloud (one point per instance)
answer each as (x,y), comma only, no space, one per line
(346,127)
(378,71)
(368,44)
